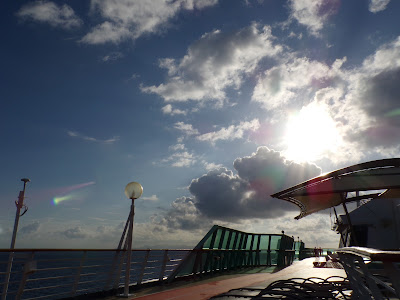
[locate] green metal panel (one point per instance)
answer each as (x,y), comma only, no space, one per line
(275,242)
(222,241)
(233,239)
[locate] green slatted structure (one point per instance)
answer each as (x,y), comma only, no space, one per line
(224,248)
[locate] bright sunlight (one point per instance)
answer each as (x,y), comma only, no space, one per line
(310,134)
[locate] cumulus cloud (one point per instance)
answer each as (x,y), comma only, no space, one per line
(62,16)
(362,101)
(74,233)
(230,133)
(169,110)
(30,228)
(180,159)
(125,19)
(227,197)
(216,61)
(186,129)
(368,114)
(211,166)
(313,13)
(378,5)
(78,135)
(182,215)
(295,81)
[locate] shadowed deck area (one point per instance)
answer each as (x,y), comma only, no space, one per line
(204,289)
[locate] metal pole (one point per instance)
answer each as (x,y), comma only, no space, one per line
(129,254)
(353,234)
(19,205)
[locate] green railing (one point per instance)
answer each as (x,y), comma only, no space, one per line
(227,249)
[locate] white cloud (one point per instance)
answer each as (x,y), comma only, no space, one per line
(370,110)
(92,139)
(378,5)
(313,13)
(168,110)
(186,129)
(177,147)
(125,19)
(112,57)
(230,133)
(295,82)
(151,198)
(180,159)
(362,102)
(216,61)
(211,166)
(49,12)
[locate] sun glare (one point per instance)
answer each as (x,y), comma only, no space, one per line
(310,134)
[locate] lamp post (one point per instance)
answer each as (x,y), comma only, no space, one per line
(133,190)
(20,204)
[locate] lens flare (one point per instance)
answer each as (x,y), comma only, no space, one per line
(71,193)
(393,113)
(57,200)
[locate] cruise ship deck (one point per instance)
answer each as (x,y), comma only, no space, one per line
(257,278)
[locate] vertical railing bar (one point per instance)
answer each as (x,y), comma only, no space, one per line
(228,256)
(165,260)
(244,247)
(269,261)
(7,277)
(121,262)
(78,274)
(25,275)
(232,258)
(257,262)
(241,252)
(145,259)
(196,265)
(210,253)
(250,259)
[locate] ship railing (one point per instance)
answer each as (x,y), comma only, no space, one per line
(199,262)
(373,274)
(65,273)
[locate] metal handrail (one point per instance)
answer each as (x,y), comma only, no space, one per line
(80,274)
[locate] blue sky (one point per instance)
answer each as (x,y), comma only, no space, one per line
(212,105)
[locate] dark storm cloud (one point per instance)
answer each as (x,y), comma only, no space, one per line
(224,196)
(380,100)
(382,96)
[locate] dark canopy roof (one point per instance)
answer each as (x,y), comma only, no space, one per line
(330,189)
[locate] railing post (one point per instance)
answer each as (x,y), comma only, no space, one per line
(164,265)
(146,258)
(78,274)
(118,275)
(29,268)
(7,278)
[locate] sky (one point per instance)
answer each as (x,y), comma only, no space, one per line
(212,105)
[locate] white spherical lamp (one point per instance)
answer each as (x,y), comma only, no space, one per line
(133,190)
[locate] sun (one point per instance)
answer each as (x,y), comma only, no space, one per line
(310,134)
